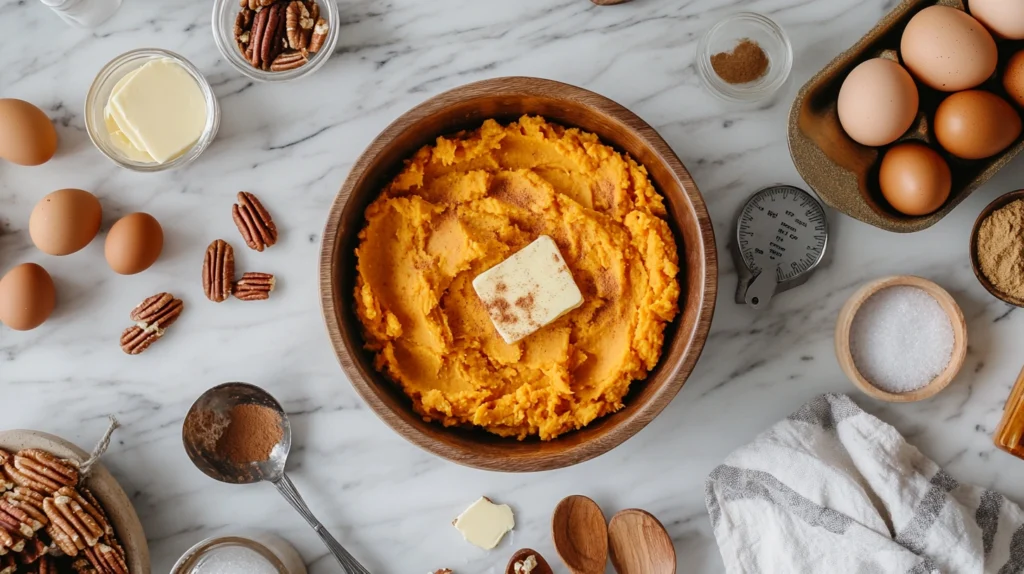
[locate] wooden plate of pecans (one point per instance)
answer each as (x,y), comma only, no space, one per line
(33,464)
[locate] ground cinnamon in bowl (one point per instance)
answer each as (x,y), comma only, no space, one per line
(745,63)
(1001,249)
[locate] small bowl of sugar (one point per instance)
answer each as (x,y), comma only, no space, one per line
(901,339)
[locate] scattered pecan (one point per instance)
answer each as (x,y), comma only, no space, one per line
(253,220)
(296,18)
(218,271)
(288,60)
(254,286)
(152,318)
(320,31)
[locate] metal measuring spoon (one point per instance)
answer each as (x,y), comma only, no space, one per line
(200,448)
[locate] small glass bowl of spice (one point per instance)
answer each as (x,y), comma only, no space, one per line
(997,248)
(901,339)
(744,58)
(276,40)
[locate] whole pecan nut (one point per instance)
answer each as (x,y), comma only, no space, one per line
(254,221)
(218,271)
(254,286)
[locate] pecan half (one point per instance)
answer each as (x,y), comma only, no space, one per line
(88,502)
(243,22)
(40,471)
(255,4)
(254,286)
(252,219)
(259,29)
(68,516)
(270,43)
(106,559)
(10,541)
(82,566)
(320,31)
(25,521)
(61,540)
(8,565)
(218,271)
(159,311)
(288,61)
(35,550)
(297,14)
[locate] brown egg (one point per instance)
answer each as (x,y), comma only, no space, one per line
(1013,78)
(915,179)
(976,124)
(27,135)
(65,221)
(877,102)
(947,49)
(134,243)
(27,297)
(1005,18)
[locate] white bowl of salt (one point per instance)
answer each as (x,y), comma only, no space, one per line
(901,339)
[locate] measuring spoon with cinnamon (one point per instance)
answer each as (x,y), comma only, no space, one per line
(210,418)
(580,533)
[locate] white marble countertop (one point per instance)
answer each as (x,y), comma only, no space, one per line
(293,144)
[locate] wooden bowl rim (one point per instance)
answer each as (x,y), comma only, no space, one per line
(103,485)
(519,86)
(948,304)
(996,204)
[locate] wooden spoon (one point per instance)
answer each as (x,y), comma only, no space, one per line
(581,535)
(542,565)
(640,544)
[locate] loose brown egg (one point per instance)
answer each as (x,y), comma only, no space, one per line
(1005,18)
(1013,78)
(915,179)
(877,102)
(65,221)
(134,243)
(948,50)
(27,297)
(976,124)
(27,135)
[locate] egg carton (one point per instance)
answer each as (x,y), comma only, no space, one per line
(843,172)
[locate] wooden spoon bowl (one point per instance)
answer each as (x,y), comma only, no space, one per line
(640,544)
(580,533)
(542,565)
(506,99)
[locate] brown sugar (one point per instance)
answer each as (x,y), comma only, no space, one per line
(1001,249)
(251,435)
(746,63)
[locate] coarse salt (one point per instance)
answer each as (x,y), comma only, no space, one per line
(901,339)
(234,560)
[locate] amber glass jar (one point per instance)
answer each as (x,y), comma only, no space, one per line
(1010,432)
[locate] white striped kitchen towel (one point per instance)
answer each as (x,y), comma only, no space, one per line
(834,490)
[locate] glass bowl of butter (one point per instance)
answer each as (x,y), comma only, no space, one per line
(151,110)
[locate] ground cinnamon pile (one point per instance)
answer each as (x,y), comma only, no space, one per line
(1001,249)
(251,435)
(746,63)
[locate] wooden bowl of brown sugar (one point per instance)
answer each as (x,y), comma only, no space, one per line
(504,100)
(997,248)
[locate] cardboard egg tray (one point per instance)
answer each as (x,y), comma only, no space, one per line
(843,172)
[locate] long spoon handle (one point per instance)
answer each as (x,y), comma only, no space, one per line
(347,561)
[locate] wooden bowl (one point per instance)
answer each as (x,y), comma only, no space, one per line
(466,108)
(948,304)
(998,204)
(102,484)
